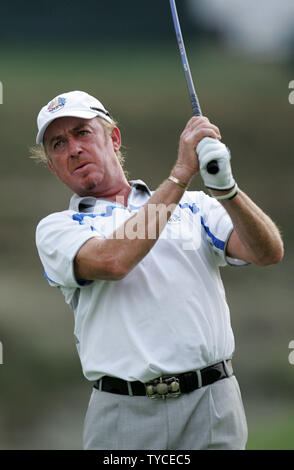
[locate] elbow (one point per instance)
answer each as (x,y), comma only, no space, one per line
(98,261)
(279,255)
(118,275)
(116,270)
(274,256)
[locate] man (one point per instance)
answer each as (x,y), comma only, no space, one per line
(141,272)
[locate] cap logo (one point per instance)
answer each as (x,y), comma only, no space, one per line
(56,104)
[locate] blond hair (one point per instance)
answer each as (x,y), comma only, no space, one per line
(38,152)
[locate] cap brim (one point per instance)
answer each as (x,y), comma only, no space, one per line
(80,114)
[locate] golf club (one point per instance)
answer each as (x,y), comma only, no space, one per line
(212,166)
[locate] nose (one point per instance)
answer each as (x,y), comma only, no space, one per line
(74,148)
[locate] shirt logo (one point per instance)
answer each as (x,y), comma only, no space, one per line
(174,219)
(56,104)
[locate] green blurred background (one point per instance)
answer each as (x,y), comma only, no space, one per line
(125,53)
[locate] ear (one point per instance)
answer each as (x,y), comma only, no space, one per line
(116,138)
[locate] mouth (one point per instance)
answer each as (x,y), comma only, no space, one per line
(81,168)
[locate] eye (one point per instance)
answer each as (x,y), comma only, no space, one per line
(83,132)
(57,144)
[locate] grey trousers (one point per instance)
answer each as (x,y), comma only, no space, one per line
(211,417)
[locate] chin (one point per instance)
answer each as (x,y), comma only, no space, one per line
(89,187)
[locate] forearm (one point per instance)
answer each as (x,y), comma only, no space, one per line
(139,234)
(257,238)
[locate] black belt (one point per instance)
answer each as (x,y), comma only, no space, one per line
(167,386)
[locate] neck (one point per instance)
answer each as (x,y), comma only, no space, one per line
(118,192)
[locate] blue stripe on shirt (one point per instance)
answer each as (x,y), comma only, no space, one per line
(216,241)
(220,244)
(79,217)
(48,278)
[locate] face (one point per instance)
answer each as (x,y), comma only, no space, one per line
(82,156)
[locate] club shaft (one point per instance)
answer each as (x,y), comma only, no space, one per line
(193,96)
(212,166)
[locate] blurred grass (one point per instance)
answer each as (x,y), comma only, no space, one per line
(43,395)
(273,434)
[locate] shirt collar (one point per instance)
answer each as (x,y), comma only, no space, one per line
(86,203)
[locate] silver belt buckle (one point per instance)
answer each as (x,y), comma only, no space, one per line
(163,387)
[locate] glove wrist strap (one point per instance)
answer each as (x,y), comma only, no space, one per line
(229,195)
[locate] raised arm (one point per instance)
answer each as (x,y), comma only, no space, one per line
(255,237)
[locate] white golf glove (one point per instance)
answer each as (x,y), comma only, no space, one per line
(209,150)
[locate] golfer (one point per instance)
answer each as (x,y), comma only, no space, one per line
(140,269)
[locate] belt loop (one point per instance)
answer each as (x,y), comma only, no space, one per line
(227,370)
(199,378)
(130,389)
(100,385)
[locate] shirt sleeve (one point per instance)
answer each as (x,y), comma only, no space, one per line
(218,227)
(59,238)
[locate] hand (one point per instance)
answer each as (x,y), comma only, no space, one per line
(187,164)
(213,150)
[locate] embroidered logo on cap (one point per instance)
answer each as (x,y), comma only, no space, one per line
(56,104)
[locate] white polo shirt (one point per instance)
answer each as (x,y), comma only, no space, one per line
(169,314)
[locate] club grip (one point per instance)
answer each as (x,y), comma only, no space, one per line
(212,167)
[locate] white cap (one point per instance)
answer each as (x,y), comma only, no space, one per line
(74,104)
